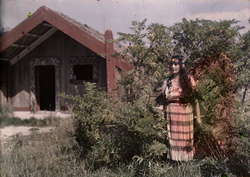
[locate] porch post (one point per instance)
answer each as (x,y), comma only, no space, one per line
(110,63)
(10,78)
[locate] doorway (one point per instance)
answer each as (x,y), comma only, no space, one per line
(45,87)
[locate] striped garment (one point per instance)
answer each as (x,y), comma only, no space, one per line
(180,129)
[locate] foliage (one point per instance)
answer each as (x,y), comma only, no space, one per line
(112,132)
(57,154)
(199,38)
(46,154)
(150,48)
(146,50)
(243,66)
(216,85)
(128,129)
(211,48)
(243,129)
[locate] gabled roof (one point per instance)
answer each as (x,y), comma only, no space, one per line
(42,24)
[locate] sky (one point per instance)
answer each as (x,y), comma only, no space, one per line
(117,15)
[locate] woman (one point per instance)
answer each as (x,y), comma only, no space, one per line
(175,100)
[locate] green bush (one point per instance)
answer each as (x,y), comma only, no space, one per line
(111,132)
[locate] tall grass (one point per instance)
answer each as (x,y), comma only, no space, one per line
(48,154)
(57,153)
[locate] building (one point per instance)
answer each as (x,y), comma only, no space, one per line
(50,53)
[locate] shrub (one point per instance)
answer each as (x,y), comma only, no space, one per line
(111,132)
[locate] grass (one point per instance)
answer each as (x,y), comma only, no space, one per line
(47,154)
(56,153)
(6,121)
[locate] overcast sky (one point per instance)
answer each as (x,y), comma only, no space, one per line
(118,15)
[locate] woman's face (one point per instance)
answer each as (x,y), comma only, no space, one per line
(175,67)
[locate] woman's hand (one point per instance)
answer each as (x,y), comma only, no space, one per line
(159,108)
(198,119)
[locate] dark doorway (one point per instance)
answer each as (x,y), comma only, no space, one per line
(46,87)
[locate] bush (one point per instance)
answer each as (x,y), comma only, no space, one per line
(111,132)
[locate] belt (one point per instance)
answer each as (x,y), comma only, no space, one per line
(174,101)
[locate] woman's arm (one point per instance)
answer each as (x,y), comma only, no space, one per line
(197,106)
(198,116)
(161,95)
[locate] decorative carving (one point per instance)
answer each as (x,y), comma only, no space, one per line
(45,62)
(83,61)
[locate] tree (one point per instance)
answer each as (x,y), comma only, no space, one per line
(146,50)
(200,38)
(208,45)
(149,48)
(212,48)
(111,131)
(243,65)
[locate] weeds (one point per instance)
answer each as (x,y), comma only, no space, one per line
(47,154)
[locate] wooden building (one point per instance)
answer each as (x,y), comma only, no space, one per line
(49,53)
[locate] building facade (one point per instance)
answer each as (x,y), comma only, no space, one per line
(50,53)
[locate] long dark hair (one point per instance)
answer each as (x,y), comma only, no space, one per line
(185,82)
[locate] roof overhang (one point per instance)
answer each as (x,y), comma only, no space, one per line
(12,49)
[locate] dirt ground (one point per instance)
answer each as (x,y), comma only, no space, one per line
(9,131)
(40,114)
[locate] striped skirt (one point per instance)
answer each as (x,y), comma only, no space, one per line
(180,129)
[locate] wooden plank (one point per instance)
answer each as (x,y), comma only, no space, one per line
(33,45)
(123,64)
(74,32)
(18,45)
(21,29)
(4,59)
(46,24)
(110,63)
(21,109)
(33,35)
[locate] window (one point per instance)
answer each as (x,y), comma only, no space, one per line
(83,72)
(83,69)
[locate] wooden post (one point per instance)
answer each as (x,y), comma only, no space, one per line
(10,78)
(110,63)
